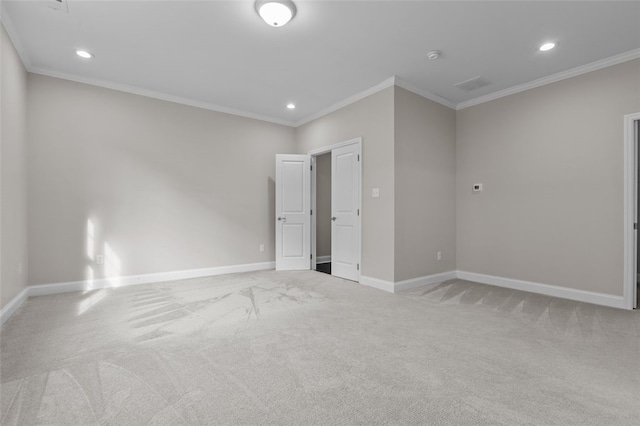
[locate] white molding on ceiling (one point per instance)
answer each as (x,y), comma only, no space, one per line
(425,93)
(573,72)
(158,95)
(348,101)
(13,36)
(26,60)
(391,81)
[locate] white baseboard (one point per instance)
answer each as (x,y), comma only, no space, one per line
(376,283)
(44,289)
(546,289)
(388,286)
(422,281)
(323,259)
(13,305)
(392,287)
(85,285)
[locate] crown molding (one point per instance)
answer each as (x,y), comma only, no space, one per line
(158,95)
(348,101)
(424,93)
(8,25)
(573,72)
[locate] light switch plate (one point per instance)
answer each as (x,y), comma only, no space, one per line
(375,192)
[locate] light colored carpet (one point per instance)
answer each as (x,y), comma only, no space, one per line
(307,348)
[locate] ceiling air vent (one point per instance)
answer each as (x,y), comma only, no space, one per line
(472,84)
(57,5)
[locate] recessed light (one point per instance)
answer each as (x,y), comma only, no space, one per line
(434,54)
(291,106)
(84,54)
(547,46)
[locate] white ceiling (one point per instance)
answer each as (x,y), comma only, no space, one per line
(220,53)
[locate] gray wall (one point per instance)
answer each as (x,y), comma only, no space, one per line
(372,119)
(323,205)
(13,174)
(166,187)
(551,161)
(425,181)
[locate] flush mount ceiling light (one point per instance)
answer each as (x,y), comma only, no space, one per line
(547,46)
(276,12)
(84,54)
(291,106)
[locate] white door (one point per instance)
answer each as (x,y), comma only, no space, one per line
(345,209)
(293,221)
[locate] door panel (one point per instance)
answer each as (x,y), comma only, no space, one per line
(292,241)
(293,223)
(345,205)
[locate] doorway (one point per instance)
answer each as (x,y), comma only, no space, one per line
(336,177)
(322,165)
(636,144)
(631,291)
(320,230)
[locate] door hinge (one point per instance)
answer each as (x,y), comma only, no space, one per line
(358,265)
(312,167)
(358,157)
(635,226)
(311,256)
(311,212)
(358,212)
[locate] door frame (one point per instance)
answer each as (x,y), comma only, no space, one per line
(630,210)
(326,150)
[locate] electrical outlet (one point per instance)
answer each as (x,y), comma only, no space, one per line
(261,247)
(375,192)
(100,259)
(439,256)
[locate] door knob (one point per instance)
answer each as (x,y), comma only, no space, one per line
(284,219)
(334,218)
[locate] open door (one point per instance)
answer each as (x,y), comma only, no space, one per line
(345,209)
(293,216)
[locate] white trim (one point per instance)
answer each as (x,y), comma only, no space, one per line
(13,305)
(323,259)
(399,286)
(629,217)
(13,36)
(546,289)
(376,283)
(328,149)
(314,208)
(573,72)
(424,93)
(87,285)
(422,281)
(158,95)
(389,82)
(348,101)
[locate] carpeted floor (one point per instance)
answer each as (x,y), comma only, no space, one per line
(307,348)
